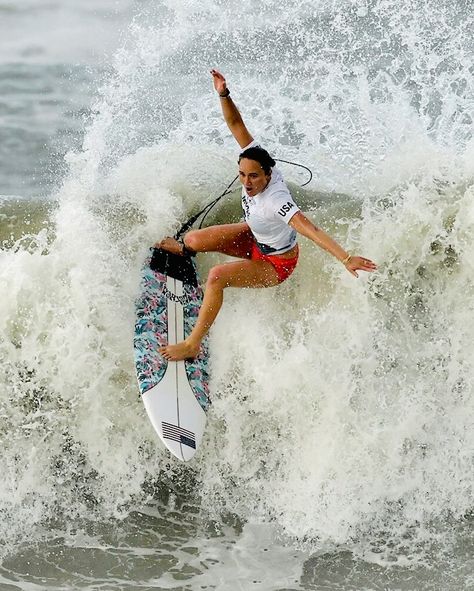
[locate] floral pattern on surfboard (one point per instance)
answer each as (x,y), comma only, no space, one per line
(151,333)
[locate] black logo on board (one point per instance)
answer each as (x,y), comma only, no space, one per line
(183,300)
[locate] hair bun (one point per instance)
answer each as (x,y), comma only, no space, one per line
(261,156)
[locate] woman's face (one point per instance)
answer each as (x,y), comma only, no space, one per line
(252,176)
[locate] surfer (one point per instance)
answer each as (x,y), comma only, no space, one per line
(265,242)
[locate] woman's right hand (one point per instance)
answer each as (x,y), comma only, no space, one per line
(219,81)
(231,114)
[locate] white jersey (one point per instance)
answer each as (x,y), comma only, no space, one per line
(269,212)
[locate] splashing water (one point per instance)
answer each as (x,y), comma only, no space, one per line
(341,409)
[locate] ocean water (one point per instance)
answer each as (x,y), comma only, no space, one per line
(339,451)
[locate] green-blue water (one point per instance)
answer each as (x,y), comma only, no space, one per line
(339,447)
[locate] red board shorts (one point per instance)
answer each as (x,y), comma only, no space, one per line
(283,267)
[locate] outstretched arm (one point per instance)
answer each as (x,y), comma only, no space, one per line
(352,263)
(231,114)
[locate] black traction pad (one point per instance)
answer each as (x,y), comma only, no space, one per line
(178,266)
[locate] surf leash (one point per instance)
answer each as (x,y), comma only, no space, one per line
(205,210)
(185,227)
(300,166)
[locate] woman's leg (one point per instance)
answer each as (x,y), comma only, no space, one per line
(231,239)
(238,274)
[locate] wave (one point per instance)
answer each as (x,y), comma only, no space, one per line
(341,408)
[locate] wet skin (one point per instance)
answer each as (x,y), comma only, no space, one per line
(253,177)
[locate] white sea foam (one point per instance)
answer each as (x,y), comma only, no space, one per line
(342,407)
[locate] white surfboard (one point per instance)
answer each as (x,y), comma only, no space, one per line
(175,393)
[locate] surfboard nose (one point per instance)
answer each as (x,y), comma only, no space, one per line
(179,420)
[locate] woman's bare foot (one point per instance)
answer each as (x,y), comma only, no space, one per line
(171,245)
(180,351)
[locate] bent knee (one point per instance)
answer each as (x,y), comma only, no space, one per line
(191,240)
(217,277)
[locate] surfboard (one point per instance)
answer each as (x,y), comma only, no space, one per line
(175,393)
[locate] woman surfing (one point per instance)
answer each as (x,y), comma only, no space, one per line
(265,243)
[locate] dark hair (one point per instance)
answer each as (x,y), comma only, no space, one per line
(259,155)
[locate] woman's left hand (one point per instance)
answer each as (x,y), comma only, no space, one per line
(356,263)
